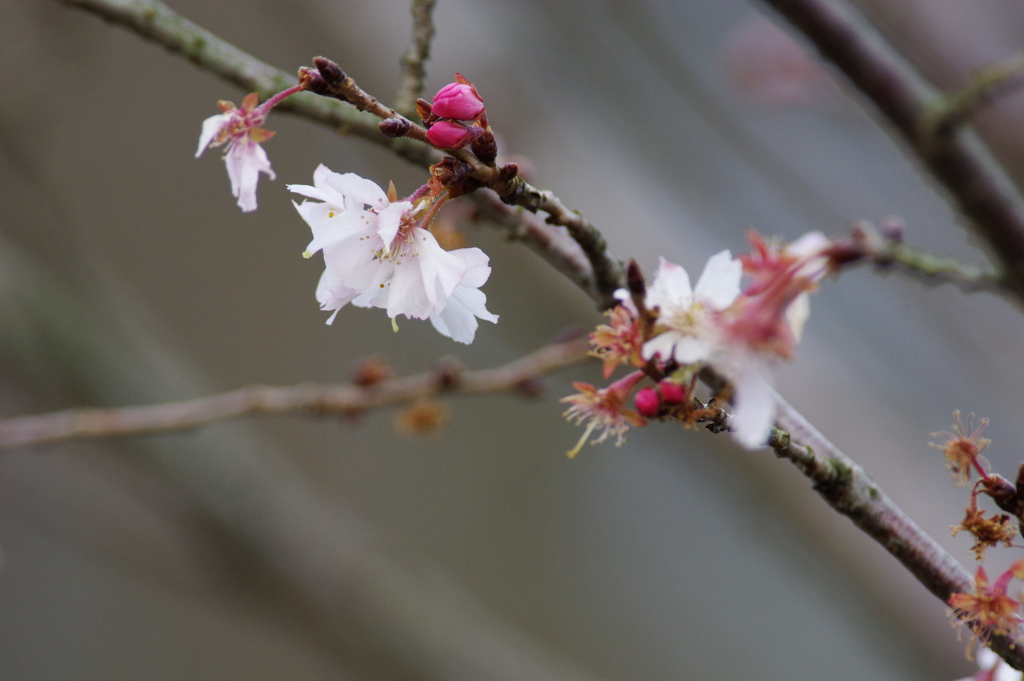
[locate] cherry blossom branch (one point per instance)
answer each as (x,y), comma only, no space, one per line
(955,156)
(337,399)
(328,79)
(155,21)
(414,58)
(843,484)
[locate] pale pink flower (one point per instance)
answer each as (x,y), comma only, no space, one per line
(240,130)
(691,323)
(245,158)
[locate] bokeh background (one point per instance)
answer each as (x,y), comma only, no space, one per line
(298,548)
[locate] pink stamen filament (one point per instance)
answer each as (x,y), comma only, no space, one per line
(979,468)
(266,106)
(432,213)
(418,193)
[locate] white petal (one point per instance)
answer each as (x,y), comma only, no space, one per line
(755,405)
(671,289)
(425,275)
(333,295)
(348,240)
(625,299)
(477,264)
(309,192)
(211,128)
(458,318)
(986,658)
(316,215)
(809,244)
(361,190)
(661,345)
(325,182)
(245,161)
(719,283)
(797,313)
(389,220)
(691,349)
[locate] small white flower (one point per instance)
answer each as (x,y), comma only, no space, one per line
(377,254)
(690,334)
(245,158)
(691,319)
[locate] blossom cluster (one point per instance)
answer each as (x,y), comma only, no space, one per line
(379,251)
(675,329)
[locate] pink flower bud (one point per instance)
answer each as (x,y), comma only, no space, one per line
(672,392)
(647,402)
(458,100)
(452,134)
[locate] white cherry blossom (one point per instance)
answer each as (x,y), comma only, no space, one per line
(378,254)
(686,314)
(245,158)
(691,319)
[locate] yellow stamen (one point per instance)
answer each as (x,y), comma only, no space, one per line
(579,445)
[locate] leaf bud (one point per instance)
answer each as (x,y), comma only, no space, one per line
(394,127)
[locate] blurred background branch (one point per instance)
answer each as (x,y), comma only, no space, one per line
(976,183)
(518,377)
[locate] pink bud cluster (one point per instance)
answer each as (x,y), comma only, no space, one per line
(649,400)
(457,117)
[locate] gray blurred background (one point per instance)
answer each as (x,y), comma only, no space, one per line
(295,548)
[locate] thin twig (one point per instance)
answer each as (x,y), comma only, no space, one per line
(976,183)
(982,87)
(936,269)
(155,21)
(556,247)
(338,399)
(885,249)
(416,56)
